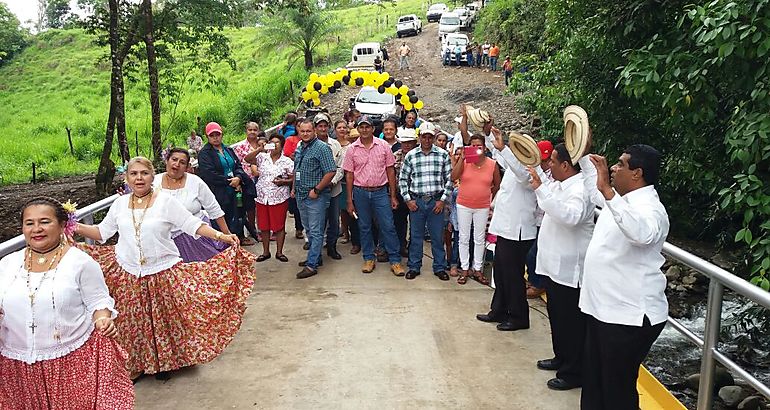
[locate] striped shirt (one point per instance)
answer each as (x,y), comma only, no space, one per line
(425,174)
(369,165)
(312,161)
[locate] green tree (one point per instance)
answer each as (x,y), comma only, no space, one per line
(302,28)
(12,37)
(57,13)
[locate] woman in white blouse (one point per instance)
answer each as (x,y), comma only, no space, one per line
(56,323)
(197,198)
(276,174)
(174,314)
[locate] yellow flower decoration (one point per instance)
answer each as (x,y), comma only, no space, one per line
(70,207)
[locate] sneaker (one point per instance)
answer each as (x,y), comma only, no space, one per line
(397,269)
(368,267)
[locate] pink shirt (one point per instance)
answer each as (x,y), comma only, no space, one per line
(369,165)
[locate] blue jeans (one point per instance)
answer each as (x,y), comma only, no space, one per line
(446,58)
(418,220)
(493,63)
(333,222)
(533,278)
(370,205)
(314,218)
(470,60)
(458,56)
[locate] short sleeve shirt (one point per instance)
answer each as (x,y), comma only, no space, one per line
(369,165)
(242,149)
(312,161)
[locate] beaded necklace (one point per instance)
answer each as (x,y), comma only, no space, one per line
(138,227)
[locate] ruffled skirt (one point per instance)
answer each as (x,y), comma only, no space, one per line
(181,316)
(198,250)
(92,377)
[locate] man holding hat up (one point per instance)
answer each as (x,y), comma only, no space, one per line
(371,185)
(425,183)
(623,292)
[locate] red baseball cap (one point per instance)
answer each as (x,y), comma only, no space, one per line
(545,149)
(211,127)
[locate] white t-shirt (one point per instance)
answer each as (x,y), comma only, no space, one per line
(165,216)
(78,289)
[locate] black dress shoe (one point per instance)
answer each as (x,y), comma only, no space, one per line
(548,364)
(561,384)
(332,252)
(306,273)
(489,318)
(306,246)
(304,263)
(442,275)
(412,274)
(510,326)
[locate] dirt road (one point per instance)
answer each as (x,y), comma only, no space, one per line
(442,88)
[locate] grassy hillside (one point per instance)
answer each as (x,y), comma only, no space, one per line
(59,82)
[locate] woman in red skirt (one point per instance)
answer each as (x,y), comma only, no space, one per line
(56,323)
(173,314)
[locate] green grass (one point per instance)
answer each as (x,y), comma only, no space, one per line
(61,81)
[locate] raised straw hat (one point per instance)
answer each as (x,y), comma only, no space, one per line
(477,116)
(576,131)
(524,148)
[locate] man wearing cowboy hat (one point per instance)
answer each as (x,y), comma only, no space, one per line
(425,183)
(623,291)
(371,185)
(564,235)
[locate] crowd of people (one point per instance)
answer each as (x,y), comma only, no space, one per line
(171,292)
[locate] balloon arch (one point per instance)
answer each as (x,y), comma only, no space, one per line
(318,85)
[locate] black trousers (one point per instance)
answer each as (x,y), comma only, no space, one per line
(294,210)
(400,220)
(568,330)
(615,353)
(510,299)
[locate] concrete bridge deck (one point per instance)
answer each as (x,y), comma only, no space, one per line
(343,339)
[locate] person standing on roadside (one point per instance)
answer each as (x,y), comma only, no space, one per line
(479,54)
(485,53)
(623,293)
(494,54)
(322,122)
(562,242)
(403,53)
(246,150)
(314,169)
(469,54)
(289,148)
(507,70)
(425,184)
(371,185)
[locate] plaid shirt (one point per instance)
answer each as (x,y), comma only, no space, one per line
(311,162)
(423,174)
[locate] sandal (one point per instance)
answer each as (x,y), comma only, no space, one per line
(478,276)
(247,242)
(463,278)
(263,257)
(281,257)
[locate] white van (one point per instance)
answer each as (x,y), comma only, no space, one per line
(363,55)
(449,23)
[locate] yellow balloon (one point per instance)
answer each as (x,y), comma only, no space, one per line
(403,89)
(419,104)
(408,106)
(344,72)
(313,77)
(316,101)
(392,90)
(306,96)
(385,76)
(314,94)
(324,89)
(404,100)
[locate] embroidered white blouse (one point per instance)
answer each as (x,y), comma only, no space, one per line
(165,216)
(76,285)
(269,193)
(195,195)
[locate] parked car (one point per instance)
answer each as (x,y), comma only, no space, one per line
(409,24)
(435,11)
(377,106)
(466,20)
(363,55)
(449,44)
(449,23)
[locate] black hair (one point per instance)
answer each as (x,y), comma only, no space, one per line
(176,150)
(261,134)
(477,137)
(392,120)
(279,136)
(338,122)
(647,158)
(563,155)
(61,214)
(305,121)
(290,118)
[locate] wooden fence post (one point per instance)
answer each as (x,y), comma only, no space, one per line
(69,138)
(136,139)
(34,173)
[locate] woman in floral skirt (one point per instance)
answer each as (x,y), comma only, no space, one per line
(173,314)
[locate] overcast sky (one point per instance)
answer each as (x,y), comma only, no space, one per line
(27,9)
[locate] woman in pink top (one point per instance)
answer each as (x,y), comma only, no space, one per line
(479,181)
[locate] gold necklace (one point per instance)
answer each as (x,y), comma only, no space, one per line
(139,199)
(138,229)
(169,181)
(42,258)
(33,293)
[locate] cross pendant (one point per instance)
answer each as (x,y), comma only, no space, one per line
(33,326)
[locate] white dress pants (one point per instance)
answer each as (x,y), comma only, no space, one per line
(478,218)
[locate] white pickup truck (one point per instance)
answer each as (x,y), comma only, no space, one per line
(408,24)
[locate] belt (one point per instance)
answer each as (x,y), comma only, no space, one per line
(427,197)
(370,188)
